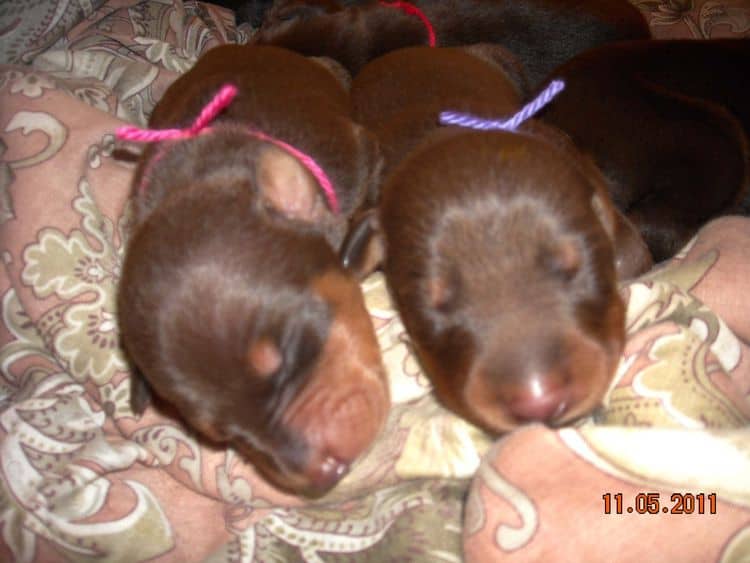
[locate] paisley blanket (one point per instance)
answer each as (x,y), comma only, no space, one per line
(661,472)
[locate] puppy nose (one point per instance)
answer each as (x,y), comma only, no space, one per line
(544,399)
(325,474)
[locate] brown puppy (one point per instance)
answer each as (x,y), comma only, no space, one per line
(668,123)
(401,107)
(499,247)
(542,33)
(232,303)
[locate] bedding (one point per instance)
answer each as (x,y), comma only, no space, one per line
(82,479)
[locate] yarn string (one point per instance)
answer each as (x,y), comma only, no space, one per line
(412,10)
(201,125)
(308,162)
(221,100)
(511,124)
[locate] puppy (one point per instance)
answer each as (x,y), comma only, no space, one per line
(500,249)
(542,33)
(401,107)
(667,122)
(233,304)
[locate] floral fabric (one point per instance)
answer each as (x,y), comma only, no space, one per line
(81,479)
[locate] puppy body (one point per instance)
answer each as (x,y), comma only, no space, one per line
(667,122)
(401,107)
(542,33)
(499,247)
(232,302)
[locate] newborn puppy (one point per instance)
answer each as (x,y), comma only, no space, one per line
(233,304)
(667,122)
(499,248)
(542,33)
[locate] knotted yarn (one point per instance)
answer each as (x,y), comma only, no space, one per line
(210,111)
(511,124)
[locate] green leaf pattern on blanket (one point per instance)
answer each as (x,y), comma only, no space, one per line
(411,509)
(55,457)
(81,268)
(27,341)
(696,391)
(683,393)
(52,436)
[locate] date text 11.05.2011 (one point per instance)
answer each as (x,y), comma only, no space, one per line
(651,503)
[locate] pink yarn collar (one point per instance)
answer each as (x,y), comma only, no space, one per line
(412,10)
(221,100)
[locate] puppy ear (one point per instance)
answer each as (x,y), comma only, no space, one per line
(363,249)
(632,256)
(140,393)
(605,212)
(288,186)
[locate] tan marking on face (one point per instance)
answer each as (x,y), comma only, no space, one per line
(344,405)
(264,357)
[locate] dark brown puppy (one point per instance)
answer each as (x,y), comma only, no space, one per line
(541,33)
(499,247)
(667,122)
(232,303)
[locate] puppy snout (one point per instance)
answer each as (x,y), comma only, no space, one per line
(355,420)
(544,399)
(337,426)
(324,473)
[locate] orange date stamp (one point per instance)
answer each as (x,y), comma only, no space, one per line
(652,503)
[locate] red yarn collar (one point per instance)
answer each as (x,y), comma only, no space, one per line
(412,10)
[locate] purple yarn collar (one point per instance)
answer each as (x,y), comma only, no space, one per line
(475,122)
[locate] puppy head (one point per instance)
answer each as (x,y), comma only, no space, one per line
(503,271)
(231,159)
(305,27)
(350,32)
(234,308)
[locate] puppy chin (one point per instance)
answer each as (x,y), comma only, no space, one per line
(314,480)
